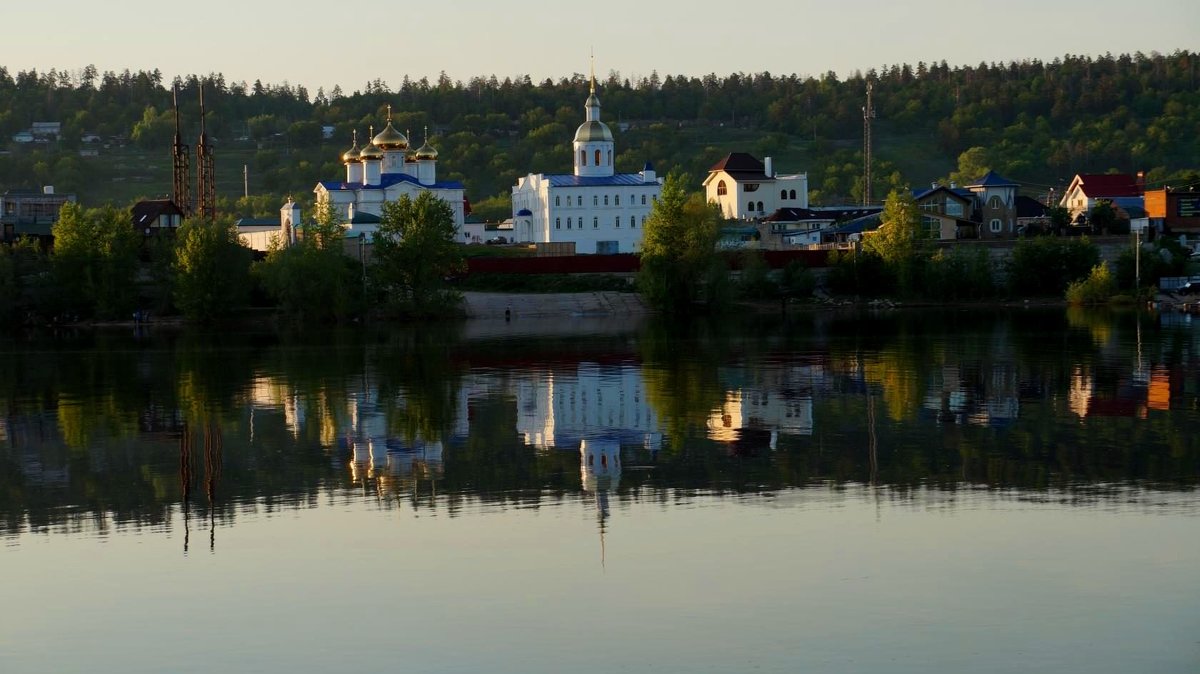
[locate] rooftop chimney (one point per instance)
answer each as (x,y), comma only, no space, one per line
(48,189)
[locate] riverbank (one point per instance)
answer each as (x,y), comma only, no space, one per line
(514,306)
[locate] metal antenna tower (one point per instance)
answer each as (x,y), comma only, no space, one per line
(206,184)
(868,115)
(181,156)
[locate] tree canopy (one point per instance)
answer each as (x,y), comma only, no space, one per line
(415,252)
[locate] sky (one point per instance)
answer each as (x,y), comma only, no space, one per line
(320,44)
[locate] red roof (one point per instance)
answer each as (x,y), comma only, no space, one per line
(1109,185)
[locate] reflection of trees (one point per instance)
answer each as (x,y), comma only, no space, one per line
(94,428)
(419,380)
(680,370)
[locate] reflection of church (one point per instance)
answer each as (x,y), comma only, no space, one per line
(600,475)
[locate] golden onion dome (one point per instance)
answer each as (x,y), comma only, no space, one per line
(390,139)
(352,155)
(426,151)
(370,152)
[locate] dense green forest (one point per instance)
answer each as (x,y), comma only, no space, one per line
(1036,122)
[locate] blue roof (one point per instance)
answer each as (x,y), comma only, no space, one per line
(389,179)
(993,179)
(570,180)
(864,224)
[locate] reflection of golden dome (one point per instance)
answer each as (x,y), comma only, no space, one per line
(352,155)
(390,138)
(370,151)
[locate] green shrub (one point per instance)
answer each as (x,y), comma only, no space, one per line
(1098,288)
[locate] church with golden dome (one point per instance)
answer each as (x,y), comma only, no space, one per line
(385,168)
(595,209)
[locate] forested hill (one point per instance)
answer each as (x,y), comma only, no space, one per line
(1035,122)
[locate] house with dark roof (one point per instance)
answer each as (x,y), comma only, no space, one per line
(748,189)
(1087,188)
(156,216)
(1032,216)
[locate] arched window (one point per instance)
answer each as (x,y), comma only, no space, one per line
(568,201)
(583,157)
(994,202)
(721,189)
(557,201)
(783,194)
(568,223)
(616,200)
(595,222)
(633,221)
(792,194)
(597,157)
(618,221)
(643,199)
(558,223)
(760,207)
(596,199)
(605,199)
(750,208)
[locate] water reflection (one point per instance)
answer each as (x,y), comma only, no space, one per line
(95,430)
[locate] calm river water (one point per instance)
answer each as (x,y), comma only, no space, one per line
(912,491)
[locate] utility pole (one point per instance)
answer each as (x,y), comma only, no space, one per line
(868,115)
(246,180)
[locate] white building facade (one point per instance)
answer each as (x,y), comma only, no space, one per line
(747,189)
(383,171)
(594,208)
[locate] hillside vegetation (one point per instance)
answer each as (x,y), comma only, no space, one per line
(1035,122)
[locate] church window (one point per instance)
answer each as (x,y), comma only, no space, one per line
(568,201)
(557,200)
(643,199)
(616,199)
(597,157)
(792,194)
(618,221)
(633,221)
(721,189)
(596,199)
(558,223)
(595,222)
(605,199)
(568,223)
(783,194)
(583,157)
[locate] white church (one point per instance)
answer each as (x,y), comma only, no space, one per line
(595,208)
(385,169)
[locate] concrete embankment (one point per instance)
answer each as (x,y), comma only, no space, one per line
(558,305)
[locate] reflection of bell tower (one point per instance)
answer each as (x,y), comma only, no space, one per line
(600,473)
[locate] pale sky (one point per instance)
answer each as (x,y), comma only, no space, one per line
(325,43)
